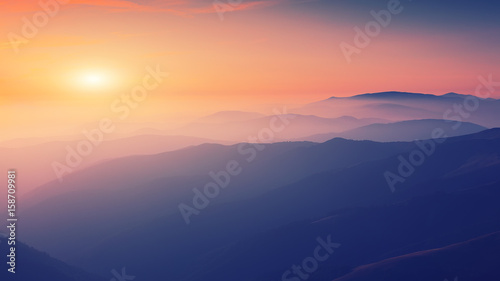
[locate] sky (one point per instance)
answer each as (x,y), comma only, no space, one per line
(64,64)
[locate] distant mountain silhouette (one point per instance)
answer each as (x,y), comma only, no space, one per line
(400,106)
(41,171)
(296,126)
(401,131)
(401,95)
(395,95)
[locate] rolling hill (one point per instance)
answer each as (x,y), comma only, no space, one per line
(401,131)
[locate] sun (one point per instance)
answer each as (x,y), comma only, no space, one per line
(93,79)
(97,81)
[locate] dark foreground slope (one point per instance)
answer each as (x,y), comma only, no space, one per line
(366,236)
(475,259)
(35,265)
(450,198)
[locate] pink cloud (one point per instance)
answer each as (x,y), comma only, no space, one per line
(180,7)
(125,6)
(244,5)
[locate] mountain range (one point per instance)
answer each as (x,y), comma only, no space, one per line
(408,197)
(333,185)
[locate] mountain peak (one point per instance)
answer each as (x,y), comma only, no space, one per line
(398,95)
(393,94)
(388,94)
(452,94)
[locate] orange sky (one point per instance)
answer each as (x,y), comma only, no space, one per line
(92,51)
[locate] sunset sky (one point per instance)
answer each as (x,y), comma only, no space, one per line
(262,52)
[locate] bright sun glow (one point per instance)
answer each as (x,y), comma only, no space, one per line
(94,80)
